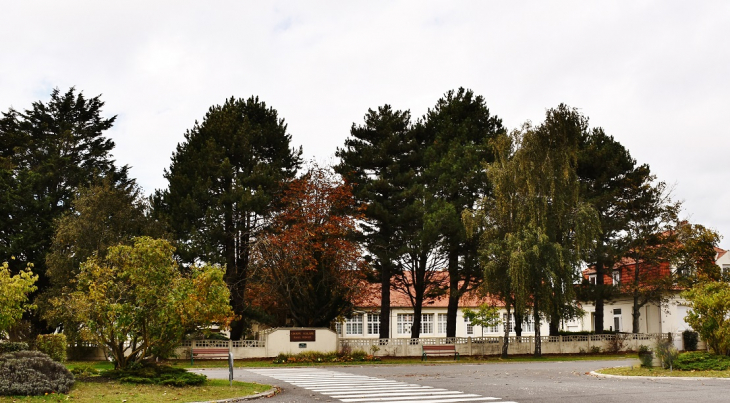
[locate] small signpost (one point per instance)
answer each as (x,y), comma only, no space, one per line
(230,368)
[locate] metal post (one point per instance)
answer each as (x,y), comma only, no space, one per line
(230,368)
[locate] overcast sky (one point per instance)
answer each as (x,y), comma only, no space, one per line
(654,74)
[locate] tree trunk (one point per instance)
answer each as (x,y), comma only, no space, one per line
(454,294)
(505,345)
(385,276)
(598,319)
(235,275)
(518,323)
(420,290)
(554,327)
(538,341)
(635,313)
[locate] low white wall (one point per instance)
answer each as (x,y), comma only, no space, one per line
(493,345)
(241,349)
(279,341)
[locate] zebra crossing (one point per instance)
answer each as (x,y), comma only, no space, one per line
(352,388)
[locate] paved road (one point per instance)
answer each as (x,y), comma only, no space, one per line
(563,382)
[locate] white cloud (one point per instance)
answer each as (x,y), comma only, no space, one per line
(652,73)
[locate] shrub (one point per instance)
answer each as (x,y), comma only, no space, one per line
(710,314)
(52,344)
(702,361)
(13,346)
(667,353)
(316,356)
(690,339)
(646,358)
(32,373)
(156,374)
(85,370)
(617,343)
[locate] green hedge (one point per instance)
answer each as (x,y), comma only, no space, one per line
(702,361)
(52,344)
(155,374)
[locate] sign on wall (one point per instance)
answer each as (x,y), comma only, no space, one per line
(296,336)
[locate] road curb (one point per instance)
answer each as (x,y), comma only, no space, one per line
(684,378)
(269,393)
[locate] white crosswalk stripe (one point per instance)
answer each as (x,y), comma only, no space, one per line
(351,388)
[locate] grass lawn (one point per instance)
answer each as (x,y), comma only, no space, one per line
(400,360)
(640,371)
(107,391)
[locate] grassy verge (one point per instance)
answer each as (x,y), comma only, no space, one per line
(107,391)
(640,371)
(401,360)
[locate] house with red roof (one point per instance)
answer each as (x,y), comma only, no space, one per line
(365,322)
(662,317)
(665,316)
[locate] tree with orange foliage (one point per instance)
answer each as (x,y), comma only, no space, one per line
(307,265)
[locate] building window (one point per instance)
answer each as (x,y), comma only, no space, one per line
(469,326)
(373,323)
(616,277)
(509,323)
(427,323)
(353,325)
(617,320)
(404,323)
(442,323)
(527,324)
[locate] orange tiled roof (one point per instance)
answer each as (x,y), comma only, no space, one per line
(399,299)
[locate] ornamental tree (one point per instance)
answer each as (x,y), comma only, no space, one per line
(138,303)
(308,265)
(103,215)
(14,292)
(537,223)
(710,314)
(485,316)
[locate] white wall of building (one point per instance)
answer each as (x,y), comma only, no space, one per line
(365,324)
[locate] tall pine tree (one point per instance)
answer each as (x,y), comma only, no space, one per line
(459,130)
(375,162)
(223,183)
(610,180)
(47,153)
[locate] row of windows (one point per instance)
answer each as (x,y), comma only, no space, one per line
(404,322)
(615,276)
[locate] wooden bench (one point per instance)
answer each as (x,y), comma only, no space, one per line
(439,349)
(208,353)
